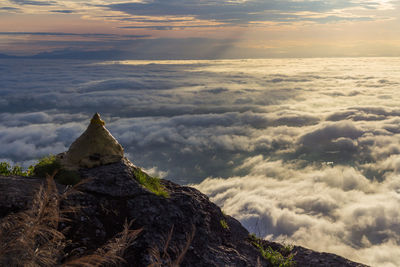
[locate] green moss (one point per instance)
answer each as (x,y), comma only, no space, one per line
(50,165)
(153,184)
(274,257)
(224,224)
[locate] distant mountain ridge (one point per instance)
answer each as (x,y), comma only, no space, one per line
(72,54)
(7,56)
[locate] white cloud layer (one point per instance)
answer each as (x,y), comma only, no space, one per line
(307,150)
(335,209)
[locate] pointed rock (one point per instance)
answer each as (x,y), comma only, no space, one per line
(95,147)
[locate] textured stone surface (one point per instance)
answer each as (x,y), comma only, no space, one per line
(114,180)
(95,147)
(16,193)
(112,196)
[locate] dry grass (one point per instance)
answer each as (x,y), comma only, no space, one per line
(32,238)
(165,259)
(111,253)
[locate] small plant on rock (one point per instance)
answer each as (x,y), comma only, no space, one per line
(224,224)
(153,184)
(51,165)
(273,256)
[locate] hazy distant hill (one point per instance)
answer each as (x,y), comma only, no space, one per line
(77,54)
(7,56)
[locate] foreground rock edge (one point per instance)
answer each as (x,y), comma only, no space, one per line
(113,195)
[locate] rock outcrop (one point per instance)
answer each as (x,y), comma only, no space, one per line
(95,147)
(186,220)
(181,226)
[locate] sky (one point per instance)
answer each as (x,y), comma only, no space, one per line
(301,150)
(193,29)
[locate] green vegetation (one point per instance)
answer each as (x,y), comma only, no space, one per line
(253,237)
(274,257)
(153,184)
(224,224)
(7,169)
(286,249)
(50,165)
(46,166)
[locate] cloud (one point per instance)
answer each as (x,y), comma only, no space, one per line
(34,141)
(333,209)
(64,11)
(295,155)
(9,9)
(171,27)
(363,114)
(169,15)
(325,134)
(33,2)
(96,35)
(238,12)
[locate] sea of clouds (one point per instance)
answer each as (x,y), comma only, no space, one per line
(301,150)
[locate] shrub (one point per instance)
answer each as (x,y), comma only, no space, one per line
(6,169)
(153,184)
(46,166)
(51,165)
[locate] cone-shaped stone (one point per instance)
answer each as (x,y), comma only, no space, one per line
(96,146)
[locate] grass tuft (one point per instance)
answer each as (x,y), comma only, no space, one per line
(153,184)
(32,237)
(111,254)
(273,256)
(164,259)
(224,224)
